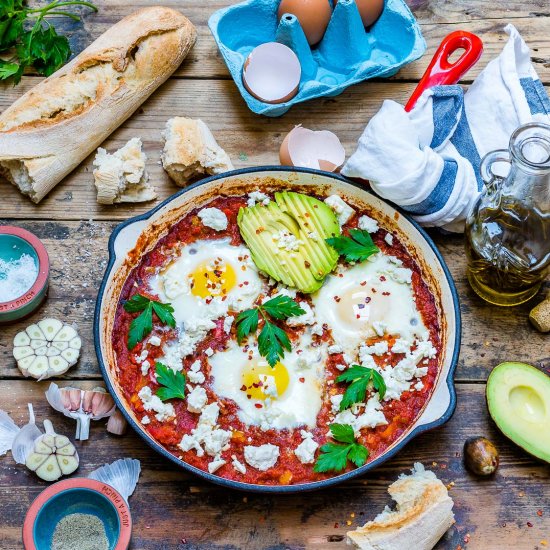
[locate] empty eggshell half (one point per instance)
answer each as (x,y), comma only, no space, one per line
(320,150)
(272,72)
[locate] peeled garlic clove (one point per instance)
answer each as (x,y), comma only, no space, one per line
(50,327)
(57,343)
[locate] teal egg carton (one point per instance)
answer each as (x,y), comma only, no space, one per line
(347,54)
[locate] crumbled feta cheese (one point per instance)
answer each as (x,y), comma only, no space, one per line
(142,356)
(215,465)
(239,466)
(389,239)
(341,366)
(309,358)
(313,235)
(395,261)
(165,411)
(208,352)
(145,420)
(307,318)
(306,449)
(336,400)
(263,457)
(214,218)
(378,348)
(366,359)
(196,399)
(419,385)
(145,367)
(195,366)
(317,329)
(401,346)
(342,210)
(366,223)
(334,349)
(196,377)
(401,275)
(424,348)
(257,197)
(372,416)
(154,341)
(269,385)
(379,327)
(287,241)
(227,323)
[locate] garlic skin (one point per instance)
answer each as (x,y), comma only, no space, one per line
(52,456)
(47,348)
(117,424)
(122,474)
(82,405)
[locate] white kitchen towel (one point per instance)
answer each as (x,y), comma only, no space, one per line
(427,161)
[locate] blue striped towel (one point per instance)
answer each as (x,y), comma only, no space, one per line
(427,161)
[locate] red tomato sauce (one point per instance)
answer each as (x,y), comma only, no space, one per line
(288,469)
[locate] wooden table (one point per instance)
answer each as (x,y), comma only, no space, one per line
(172,509)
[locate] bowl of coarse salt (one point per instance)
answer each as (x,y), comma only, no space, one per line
(24,273)
(78,514)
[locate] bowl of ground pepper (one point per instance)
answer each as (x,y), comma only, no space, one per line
(78,513)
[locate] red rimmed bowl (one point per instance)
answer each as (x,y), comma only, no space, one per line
(77,496)
(14,242)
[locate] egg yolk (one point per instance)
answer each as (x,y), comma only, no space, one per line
(359,308)
(261,381)
(214,278)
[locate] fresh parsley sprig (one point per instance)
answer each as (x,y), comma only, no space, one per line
(355,248)
(272,340)
(172,383)
(28,38)
(142,325)
(334,456)
(360,378)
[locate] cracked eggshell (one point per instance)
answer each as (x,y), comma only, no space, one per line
(320,150)
(272,72)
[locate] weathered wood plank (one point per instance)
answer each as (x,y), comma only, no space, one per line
(249,139)
(78,255)
(171,506)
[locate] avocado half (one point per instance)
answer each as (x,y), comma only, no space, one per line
(518,398)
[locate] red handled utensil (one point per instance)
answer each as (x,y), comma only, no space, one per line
(440,71)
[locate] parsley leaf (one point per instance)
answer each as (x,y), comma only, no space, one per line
(272,340)
(335,456)
(172,383)
(360,378)
(142,325)
(355,248)
(282,307)
(27,32)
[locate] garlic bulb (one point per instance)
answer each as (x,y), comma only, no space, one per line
(82,405)
(53,455)
(48,348)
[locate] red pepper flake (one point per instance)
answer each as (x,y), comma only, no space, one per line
(258,405)
(385,293)
(337,299)
(382,278)
(529,524)
(363,283)
(307,264)
(373,290)
(302,379)
(336,525)
(467,538)
(539,513)
(243,388)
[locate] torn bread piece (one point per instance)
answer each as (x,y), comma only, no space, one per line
(190,150)
(422,515)
(121,176)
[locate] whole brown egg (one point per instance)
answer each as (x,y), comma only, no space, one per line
(370,10)
(313,16)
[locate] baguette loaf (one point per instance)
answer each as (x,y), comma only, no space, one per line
(423,514)
(46,133)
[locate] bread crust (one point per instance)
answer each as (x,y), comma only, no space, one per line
(47,132)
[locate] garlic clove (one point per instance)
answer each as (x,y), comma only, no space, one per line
(41,351)
(68,464)
(60,345)
(75,398)
(38,367)
(34,460)
(50,327)
(49,470)
(38,343)
(52,352)
(75,343)
(70,355)
(66,334)
(34,332)
(117,424)
(58,365)
(25,363)
(60,441)
(42,447)
(22,352)
(49,440)
(21,339)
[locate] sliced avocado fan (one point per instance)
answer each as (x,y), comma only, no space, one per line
(287,239)
(518,399)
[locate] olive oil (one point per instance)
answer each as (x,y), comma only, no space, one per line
(508,252)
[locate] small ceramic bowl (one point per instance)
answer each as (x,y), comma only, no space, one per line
(14,242)
(77,496)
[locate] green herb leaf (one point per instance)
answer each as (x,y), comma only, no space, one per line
(272,342)
(247,322)
(282,307)
(172,383)
(142,325)
(355,248)
(335,456)
(8,69)
(360,378)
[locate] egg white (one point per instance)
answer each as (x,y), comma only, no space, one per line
(361,301)
(299,403)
